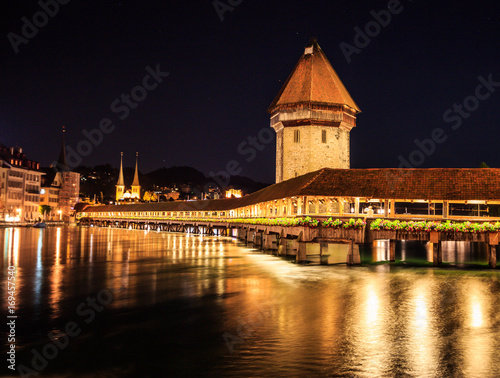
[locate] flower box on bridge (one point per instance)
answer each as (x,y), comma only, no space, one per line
(357,235)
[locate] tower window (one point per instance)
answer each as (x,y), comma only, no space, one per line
(296,136)
(323,136)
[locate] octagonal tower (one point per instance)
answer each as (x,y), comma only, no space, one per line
(312,115)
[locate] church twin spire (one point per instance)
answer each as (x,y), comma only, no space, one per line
(136,174)
(121,182)
(135,192)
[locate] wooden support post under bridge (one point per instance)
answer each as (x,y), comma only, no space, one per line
(323,253)
(270,241)
(258,239)
(492,250)
(437,254)
(492,256)
(249,237)
(302,250)
(353,256)
(392,250)
(283,244)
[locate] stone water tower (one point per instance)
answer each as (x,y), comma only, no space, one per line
(312,115)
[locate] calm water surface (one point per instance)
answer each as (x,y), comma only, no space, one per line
(172,305)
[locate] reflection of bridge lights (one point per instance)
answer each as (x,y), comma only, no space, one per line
(15,251)
(372,306)
(476,315)
(476,305)
(421,311)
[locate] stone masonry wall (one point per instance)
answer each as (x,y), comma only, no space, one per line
(310,153)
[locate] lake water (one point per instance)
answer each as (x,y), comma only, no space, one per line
(126,303)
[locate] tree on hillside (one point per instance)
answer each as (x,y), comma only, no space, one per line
(150,197)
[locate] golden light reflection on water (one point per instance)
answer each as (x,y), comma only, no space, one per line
(39,268)
(11,259)
(11,246)
(343,321)
(380,250)
(370,335)
(56,274)
(478,344)
(15,249)
(423,336)
(477,316)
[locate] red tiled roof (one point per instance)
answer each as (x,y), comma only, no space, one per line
(392,183)
(385,183)
(314,80)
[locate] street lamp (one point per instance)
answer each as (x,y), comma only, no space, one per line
(59,212)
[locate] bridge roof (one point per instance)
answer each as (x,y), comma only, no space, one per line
(459,184)
(208,205)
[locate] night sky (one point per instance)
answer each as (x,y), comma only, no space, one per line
(223,75)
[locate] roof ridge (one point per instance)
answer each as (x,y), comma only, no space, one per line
(339,84)
(313,80)
(318,173)
(285,85)
(311,65)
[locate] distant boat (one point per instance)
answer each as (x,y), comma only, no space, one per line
(40,225)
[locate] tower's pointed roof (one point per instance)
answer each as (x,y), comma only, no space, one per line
(62,165)
(136,174)
(313,80)
(121,182)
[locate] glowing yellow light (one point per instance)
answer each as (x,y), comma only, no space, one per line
(476,314)
(233,192)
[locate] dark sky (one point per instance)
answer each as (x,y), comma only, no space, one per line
(224,74)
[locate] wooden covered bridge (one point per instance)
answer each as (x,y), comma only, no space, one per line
(283,216)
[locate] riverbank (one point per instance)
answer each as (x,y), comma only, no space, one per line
(31,224)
